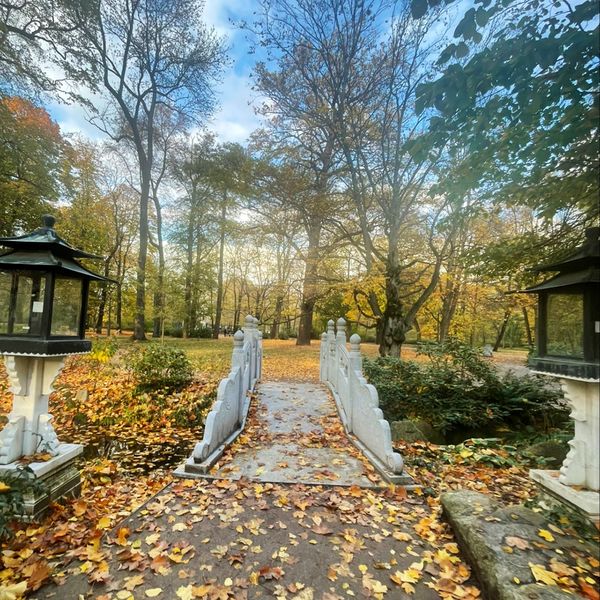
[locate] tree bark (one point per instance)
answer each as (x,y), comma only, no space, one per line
(449,304)
(500,336)
(219,307)
(139,330)
(309,285)
(527,327)
(274,333)
(159,292)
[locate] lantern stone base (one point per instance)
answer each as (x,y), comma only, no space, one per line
(59,477)
(584,502)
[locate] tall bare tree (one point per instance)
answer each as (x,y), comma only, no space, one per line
(142,55)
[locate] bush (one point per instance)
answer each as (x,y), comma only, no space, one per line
(13,488)
(458,389)
(203,331)
(103,349)
(159,367)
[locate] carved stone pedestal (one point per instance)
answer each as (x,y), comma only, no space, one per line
(59,477)
(29,431)
(577,484)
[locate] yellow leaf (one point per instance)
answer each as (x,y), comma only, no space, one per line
(152,539)
(228,582)
(466,453)
(542,575)
(11,592)
(363,568)
(4,488)
(516,580)
(185,592)
(104,523)
(544,533)
(153,592)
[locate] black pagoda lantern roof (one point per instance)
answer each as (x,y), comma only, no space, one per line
(45,249)
(581,267)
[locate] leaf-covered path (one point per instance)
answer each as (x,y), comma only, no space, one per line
(291,513)
(295,436)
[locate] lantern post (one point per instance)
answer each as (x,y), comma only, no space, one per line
(43,304)
(568,348)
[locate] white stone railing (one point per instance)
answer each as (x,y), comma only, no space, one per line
(357,400)
(228,414)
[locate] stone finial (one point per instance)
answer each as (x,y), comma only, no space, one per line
(324,336)
(341,323)
(255,321)
(355,342)
(330,325)
(238,338)
(249,321)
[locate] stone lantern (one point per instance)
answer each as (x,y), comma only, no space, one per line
(568,348)
(43,304)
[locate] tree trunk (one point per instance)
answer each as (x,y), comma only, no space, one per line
(119,308)
(392,327)
(309,285)
(500,336)
(219,307)
(159,292)
(139,331)
(527,327)
(449,304)
(274,333)
(187,331)
(100,316)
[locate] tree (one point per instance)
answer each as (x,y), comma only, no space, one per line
(34,164)
(143,56)
(349,71)
(28,28)
(523,102)
(292,186)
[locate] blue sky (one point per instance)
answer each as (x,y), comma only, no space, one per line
(234,118)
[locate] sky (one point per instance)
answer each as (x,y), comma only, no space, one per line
(234,118)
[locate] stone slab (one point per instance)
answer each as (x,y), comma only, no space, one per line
(292,464)
(586,502)
(481,526)
(66,453)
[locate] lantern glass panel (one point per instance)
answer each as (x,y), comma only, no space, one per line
(565,325)
(21,302)
(66,307)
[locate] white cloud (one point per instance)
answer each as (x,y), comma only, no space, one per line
(235,119)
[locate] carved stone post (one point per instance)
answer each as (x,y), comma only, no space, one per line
(238,360)
(255,346)
(323,357)
(331,351)
(577,484)
(354,354)
(582,465)
(249,337)
(31,381)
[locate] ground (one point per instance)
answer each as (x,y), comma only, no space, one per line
(262,536)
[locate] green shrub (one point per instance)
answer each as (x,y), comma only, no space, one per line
(159,367)
(457,389)
(13,488)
